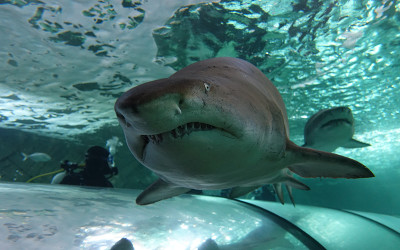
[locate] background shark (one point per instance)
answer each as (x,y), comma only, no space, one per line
(329,129)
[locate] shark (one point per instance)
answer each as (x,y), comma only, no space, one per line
(216,124)
(331,128)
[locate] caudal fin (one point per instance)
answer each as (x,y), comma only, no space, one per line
(24,156)
(311,163)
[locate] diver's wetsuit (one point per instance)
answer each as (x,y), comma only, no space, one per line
(82,179)
(93,174)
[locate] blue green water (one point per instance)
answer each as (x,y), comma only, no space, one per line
(63,64)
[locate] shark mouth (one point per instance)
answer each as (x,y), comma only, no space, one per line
(178,132)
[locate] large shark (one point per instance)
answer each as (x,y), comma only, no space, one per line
(329,129)
(217,124)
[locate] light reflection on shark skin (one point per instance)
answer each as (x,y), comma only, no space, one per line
(219,123)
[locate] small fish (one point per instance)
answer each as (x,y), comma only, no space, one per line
(36,157)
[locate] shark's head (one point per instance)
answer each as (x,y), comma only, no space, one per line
(174,126)
(174,111)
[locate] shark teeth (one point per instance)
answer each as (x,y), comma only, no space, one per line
(178,132)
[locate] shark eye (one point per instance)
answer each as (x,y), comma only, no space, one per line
(207,86)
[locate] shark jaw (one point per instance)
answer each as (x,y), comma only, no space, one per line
(187,136)
(187,133)
(179,132)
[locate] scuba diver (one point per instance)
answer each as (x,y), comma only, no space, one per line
(96,170)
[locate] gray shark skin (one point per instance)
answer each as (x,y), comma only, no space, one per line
(216,124)
(329,129)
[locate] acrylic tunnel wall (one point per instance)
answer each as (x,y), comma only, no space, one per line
(67,217)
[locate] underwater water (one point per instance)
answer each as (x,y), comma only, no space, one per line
(63,64)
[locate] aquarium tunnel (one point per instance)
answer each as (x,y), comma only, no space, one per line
(41,216)
(334,63)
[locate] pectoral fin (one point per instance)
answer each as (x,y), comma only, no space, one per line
(159,190)
(311,163)
(355,144)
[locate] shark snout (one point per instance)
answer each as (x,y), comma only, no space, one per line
(149,115)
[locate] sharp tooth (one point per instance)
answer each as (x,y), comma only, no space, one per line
(186,129)
(203,126)
(190,128)
(181,130)
(159,138)
(196,125)
(173,133)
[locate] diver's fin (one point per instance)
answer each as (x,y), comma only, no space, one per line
(311,163)
(159,190)
(352,143)
(209,244)
(239,191)
(123,244)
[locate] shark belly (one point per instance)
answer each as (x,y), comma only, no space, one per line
(200,161)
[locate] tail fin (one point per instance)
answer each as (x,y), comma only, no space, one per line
(311,163)
(25,156)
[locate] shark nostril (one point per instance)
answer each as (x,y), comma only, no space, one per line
(120,116)
(135,109)
(122,119)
